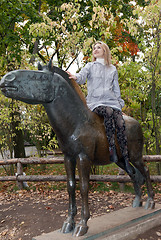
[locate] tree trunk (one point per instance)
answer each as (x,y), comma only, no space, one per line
(17,133)
(18,138)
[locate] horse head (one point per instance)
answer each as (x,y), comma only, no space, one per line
(34,87)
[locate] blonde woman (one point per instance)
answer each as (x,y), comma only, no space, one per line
(104,97)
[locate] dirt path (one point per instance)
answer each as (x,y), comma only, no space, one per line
(26,214)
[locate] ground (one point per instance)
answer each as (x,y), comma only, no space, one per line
(25,214)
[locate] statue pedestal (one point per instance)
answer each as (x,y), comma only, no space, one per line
(124,224)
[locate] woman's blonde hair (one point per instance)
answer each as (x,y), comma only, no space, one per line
(107,53)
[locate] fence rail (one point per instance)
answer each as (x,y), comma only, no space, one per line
(20,177)
(60,159)
(33,160)
(59,178)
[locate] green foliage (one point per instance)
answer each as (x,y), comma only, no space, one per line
(71,28)
(136,88)
(146,30)
(6,130)
(15,17)
(34,30)
(36,124)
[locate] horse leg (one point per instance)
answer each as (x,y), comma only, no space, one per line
(137,180)
(70,166)
(83,164)
(145,172)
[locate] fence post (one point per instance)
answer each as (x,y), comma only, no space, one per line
(122,185)
(19,172)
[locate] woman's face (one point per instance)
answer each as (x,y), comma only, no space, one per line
(98,51)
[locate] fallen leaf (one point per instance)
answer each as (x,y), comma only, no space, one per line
(48,208)
(111,206)
(4,232)
(158,234)
(22,223)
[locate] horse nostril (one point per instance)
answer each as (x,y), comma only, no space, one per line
(10,77)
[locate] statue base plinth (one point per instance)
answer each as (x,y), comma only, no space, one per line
(124,224)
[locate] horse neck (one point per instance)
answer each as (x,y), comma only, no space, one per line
(71,82)
(66,112)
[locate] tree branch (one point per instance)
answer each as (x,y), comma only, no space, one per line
(72,62)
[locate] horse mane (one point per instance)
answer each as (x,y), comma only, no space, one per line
(71,82)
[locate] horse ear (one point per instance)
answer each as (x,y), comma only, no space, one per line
(50,65)
(40,66)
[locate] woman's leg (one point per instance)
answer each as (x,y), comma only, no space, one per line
(121,137)
(107,114)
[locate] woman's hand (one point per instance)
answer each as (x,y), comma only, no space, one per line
(71,76)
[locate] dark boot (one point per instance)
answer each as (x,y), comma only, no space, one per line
(129,168)
(113,155)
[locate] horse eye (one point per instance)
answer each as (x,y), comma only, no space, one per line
(10,77)
(45,77)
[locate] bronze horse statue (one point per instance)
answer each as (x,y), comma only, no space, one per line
(80,132)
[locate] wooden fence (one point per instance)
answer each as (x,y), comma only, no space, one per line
(20,177)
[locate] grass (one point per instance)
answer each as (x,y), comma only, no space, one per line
(106,187)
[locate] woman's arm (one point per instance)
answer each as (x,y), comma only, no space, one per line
(82,76)
(116,89)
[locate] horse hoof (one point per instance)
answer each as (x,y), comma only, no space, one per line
(67,227)
(137,203)
(80,230)
(150,204)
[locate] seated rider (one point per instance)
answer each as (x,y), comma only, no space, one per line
(104,98)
